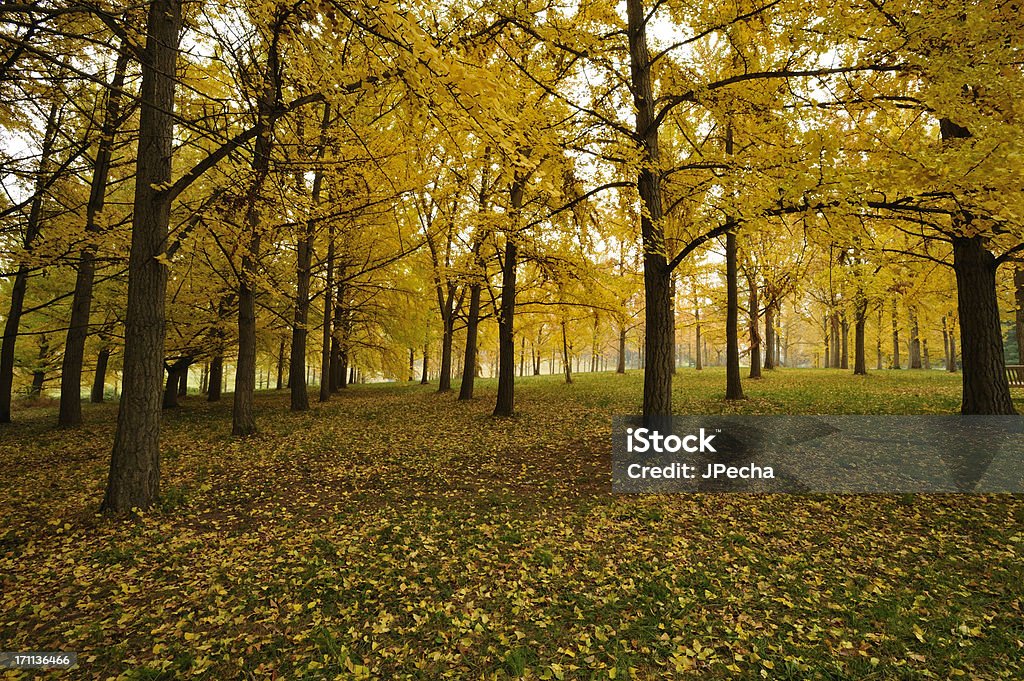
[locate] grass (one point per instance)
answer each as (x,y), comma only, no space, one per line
(395,533)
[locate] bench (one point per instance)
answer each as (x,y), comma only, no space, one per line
(1015,375)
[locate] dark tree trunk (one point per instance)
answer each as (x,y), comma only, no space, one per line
(895,337)
(985,387)
(952,351)
(1018,315)
(522,356)
(469,364)
(915,340)
(566,360)
(99,380)
(243,415)
(78,327)
(173,383)
(183,381)
(755,333)
(878,344)
(216,379)
(20,284)
(658,311)
(844,358)
(39,375)
(834,321)
(505,405)
(733,386)
(620,367)
(425,376)
(769,336)
(698,341)
(925,359)
(860,320)
(326,341)
(134,480)
(444,380)
(412,365)
(828,341)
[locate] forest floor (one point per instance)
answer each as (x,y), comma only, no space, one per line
(396,533)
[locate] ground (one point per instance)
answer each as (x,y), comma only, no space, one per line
(396,533)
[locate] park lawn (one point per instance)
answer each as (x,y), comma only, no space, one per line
(396,533)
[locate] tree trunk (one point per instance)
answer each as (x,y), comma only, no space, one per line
(183,380)
(834,362)
(985,387)
(216,379)
(32,229)
(505,405)
(566,360)
(99,380)
(769,336)
(755,333)
(878,344)
(826,322)
(733,386)
(915,340)
(895,337)
(39,375)
(658,311)
(620,367)
(424,376)
(134,479)
(444,380)
(844,326)
(326,336)
(925,359)
(78,327)
(469,367)
(860,320)
(1018,292)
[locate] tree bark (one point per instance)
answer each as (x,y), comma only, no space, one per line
(844,326)
(860,320)
(915,340)
(834,362)
(769,336)
(895,337)
(326,337)
(505,405)
(99,381)
(32,229)
(566,360)
(755,334)
(134,479)
(70,413)
(1018,315)
(733,386)
(424,376)
(878,344)
(658,310)
(469,367)
(985,386)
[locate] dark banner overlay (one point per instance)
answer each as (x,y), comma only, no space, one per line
(818,454)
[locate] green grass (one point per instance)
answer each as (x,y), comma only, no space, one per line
(396,533)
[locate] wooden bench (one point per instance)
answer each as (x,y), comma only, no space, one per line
(1015,375)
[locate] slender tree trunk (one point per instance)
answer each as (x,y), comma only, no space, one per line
(925,359)
(895,337)
(755,334)
(915,340)
(99,380)
(279,384)
(834,362)
(522,356)
(424,376)
(620,367)
(952,351)
(1018,316)
(134,480)
(985,386)
(78,327)
(183,380)
(469,367)
(860,321)
(20,284)
(844,358)
(733,386)
(878,344)
(39,375)
(769,336)
(566,360)
(444,380)
(505,405)
(326,336)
